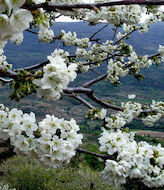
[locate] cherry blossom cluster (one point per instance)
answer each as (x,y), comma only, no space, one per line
(6,187)
(124,14)
(161,51)
(115,70)
(62,53)
(3,61)
(46,36)
(57,75)
(133,160)
(116,15)
(158,108)
(70,39)
(120,67)
(43,19)
(53,141)
(97,52)
(96,113)
(83,68)
(130,110)
(13,21)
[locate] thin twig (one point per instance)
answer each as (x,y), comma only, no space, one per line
(102,103)
(82,100)
(95,80)
(115,31)
(94,71)
(33,32)
(102,156)
(98,31)
(118,41)
(33,67)
(155,55)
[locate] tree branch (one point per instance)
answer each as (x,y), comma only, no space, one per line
(89,83)
(124,36)
(7,72)
(33,67)
(77,90)
(102,103)
(102,156)
(33,32)
(101,60)
(115,31)
(70,7)
(155,55)
(98,31)
(82,100)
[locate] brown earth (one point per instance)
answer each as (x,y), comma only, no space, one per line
(154,134)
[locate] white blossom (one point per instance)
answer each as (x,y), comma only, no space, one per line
(131,96)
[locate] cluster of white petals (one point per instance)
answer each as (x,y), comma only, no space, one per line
(150,120)
(70,39)
(130,60)
(101,114)
(116,15)
(161,52)
(115,70)
(3,61)
(96,113)
(62,53)
(13,20)
(53,141)
(57,75)
(46,36)
(130,110)
(133,160)
(139,62)
(158,108)
(83,68)
(97,52)
(117,67)
(17,39)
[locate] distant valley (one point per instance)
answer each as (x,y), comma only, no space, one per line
(32,52)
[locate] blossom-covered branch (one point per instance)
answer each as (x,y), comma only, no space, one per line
(70,7)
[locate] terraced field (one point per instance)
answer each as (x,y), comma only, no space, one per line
(152,134)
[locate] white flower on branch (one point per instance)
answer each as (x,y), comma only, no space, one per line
(46,36)
(134,160)
(54,144)
(56,77)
